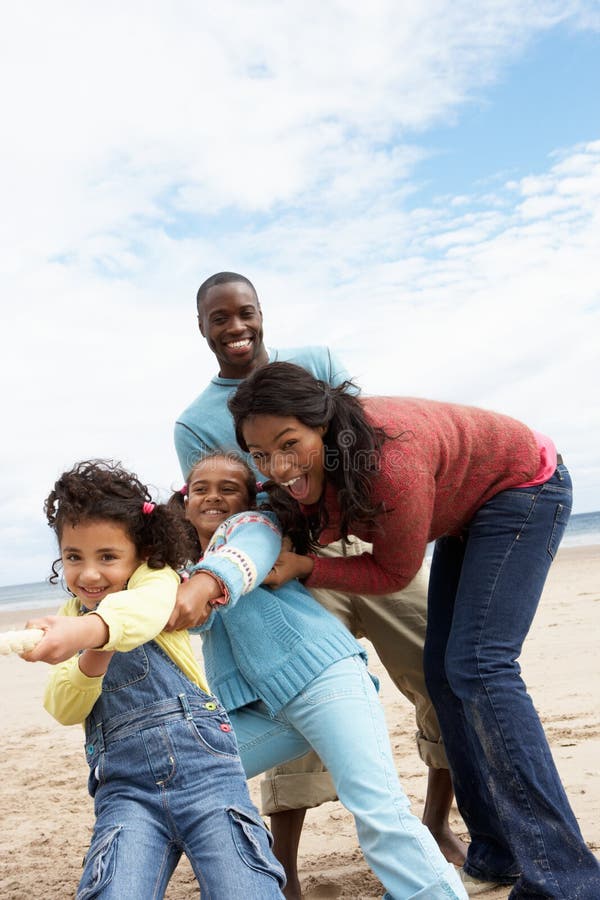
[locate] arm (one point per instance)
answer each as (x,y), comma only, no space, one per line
(189,446)
(65,635)
(337,371)
(140,613)
(399,544)
(75,684)
(123,620)
(70,693)
(241,553)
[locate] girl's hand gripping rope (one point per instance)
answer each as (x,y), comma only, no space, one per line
(64,636)
(20,641)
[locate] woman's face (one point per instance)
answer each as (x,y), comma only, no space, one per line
(216,490)
(288,452)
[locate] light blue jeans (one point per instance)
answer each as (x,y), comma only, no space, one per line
(340,716)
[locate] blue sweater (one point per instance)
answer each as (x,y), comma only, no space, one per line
(207,425)
(264,644)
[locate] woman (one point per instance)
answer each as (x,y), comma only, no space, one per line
(398,473)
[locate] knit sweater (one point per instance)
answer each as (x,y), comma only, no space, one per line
(264,644)
(442,464)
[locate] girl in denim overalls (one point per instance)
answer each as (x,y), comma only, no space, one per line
(165,772)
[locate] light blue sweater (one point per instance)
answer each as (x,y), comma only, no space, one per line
(207,425)
(264,644)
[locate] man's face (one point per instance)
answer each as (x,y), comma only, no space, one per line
(231,321)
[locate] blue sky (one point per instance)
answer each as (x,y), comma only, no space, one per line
(544,100)
(417,187)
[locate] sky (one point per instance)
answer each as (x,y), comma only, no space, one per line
(415,185)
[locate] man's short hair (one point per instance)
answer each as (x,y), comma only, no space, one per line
(222,278)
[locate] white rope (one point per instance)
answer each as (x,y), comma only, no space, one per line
(19,641)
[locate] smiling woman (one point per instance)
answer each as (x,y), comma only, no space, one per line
(496,496)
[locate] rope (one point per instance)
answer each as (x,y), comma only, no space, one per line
(19,641)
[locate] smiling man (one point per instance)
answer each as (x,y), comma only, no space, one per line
(231,321)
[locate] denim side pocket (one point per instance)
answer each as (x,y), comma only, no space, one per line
(99,863)
(561,518)
(253,842)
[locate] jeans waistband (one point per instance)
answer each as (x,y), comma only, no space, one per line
(559,460)
(180,707)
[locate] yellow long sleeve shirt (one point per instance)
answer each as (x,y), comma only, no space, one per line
(133,617)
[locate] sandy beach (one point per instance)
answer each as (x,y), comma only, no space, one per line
(47,814)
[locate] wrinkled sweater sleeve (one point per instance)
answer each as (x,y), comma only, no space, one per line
(241,553)
(139,613)
(399,539)
(133,617)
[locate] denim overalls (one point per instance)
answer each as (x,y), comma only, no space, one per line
(166,779)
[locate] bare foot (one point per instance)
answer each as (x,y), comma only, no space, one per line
(293,891)
(451,846)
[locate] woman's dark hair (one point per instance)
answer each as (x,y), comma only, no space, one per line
(352,444)
(284,507)
(101,490)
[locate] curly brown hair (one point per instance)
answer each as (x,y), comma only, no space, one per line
(99,490)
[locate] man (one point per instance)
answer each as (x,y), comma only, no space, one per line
(230,319)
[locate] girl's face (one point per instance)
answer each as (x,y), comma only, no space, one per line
(98,559)
(216,490)
(290,453)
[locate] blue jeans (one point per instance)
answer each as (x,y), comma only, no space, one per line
(167,779)
(483,594)
(340,716)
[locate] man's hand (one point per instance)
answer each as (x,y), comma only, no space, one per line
(64,636)
(194,596)
(288,565)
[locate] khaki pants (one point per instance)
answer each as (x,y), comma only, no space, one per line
(395,625)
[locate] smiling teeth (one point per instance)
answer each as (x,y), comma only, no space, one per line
(290,483)
(237,345)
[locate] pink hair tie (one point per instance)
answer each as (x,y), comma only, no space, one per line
(259,485)
(183,490)
(147,507)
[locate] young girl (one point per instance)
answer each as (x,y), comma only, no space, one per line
(398,473)
(292,678)
(164,769)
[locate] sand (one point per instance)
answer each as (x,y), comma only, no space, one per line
(47,814)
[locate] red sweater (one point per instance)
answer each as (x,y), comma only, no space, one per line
(443,463)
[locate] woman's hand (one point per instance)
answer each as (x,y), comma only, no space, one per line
(64,636)
(193,604)
(288,565)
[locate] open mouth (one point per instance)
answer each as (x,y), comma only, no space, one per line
(298,487)
(240,346)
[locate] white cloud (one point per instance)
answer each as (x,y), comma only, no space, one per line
(145,146)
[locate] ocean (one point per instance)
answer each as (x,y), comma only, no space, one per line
(583,529)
